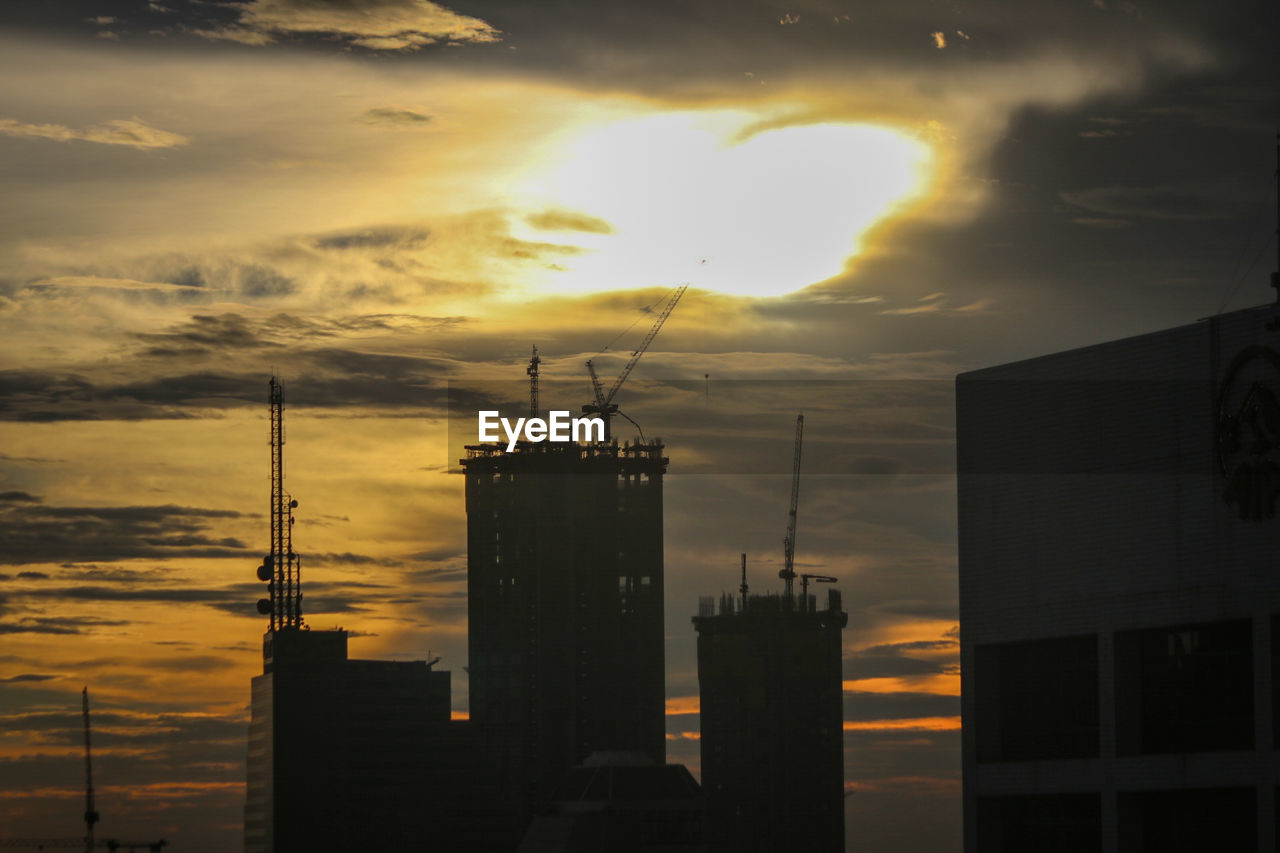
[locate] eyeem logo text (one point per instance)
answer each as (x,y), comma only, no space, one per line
(559,426)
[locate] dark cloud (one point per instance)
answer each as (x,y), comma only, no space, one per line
(863,665)
(914,646)
(205,333)
(259,282)
(18,497)
(860,705)
(1184,202)
(58,624)
(395,116)
(40,533)
(350,559)
(336,378)
(27,678)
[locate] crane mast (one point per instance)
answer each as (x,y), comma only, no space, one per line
(603,404)
(788,573)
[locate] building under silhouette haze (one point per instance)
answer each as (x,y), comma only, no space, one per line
(564,601)
(772,723)
(1120,594)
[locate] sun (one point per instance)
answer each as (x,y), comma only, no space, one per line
(700,197)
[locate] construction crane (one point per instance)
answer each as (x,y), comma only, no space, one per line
(532,370)
(90,810)
(788,573)
(804,586)
(603,404)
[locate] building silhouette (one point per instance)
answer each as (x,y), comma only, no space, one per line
(565,603)
(772,722)
(1119,593)
(355,754)
(623,803)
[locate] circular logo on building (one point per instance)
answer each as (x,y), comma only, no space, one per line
(1248,433)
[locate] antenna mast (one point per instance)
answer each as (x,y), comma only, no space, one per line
(742,588)
(532,370)
(281,569)
(788,573)
(90,812)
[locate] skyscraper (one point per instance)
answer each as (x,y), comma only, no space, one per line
(772,722)
(564,599)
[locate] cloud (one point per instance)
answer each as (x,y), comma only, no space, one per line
(395,116)
(938,303)
(400,237)
(130,132)
(107,283)
(57,625)
(567,220)
(240,35)
(40,533)
(1183,202)
(372,24)
(26,678)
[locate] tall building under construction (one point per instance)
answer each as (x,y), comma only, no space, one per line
(564,599)
(772,722)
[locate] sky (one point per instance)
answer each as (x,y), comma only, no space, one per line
(388,202)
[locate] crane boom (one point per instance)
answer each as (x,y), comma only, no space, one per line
(788,573)
(595,385)
(603,404)
(648,339)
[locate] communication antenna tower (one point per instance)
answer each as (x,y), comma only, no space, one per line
(282,568)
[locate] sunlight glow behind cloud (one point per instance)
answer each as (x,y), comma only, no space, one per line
(771,212)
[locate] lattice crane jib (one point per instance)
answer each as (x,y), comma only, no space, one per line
(603,404)
(788,573)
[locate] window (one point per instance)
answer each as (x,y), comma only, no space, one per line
(1189,821)
(1045,823)
(1037,700)
(1185,689)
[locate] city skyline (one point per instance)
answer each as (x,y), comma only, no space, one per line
(389,210)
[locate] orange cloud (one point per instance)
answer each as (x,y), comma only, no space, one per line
(925,724)
(943,684)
